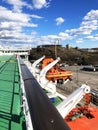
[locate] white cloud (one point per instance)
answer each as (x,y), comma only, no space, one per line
(36,16)
(87,26)
(6,14)
(18,4)
(80,40)
(14,37)
(64,36)
(14,25)
(13,21)
(11,26)
(52,37)
(59,21)
(9,15)
(92,37)
(38,4)
(92,15)
(49,39)
(79,31)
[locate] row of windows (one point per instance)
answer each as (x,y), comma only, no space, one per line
(13,51)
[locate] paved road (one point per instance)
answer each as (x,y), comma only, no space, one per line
(80,77)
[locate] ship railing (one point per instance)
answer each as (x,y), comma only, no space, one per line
(39,111)
(24,103)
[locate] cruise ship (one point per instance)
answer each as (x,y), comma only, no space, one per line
(27,103)
(23,104)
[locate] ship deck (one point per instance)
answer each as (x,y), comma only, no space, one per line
(10,110)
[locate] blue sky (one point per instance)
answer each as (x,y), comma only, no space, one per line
(38,22)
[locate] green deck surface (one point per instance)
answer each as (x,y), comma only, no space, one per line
(10,110)
(56,100)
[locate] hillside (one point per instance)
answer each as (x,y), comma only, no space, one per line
(70,56)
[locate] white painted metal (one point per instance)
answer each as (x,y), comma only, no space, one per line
(69,103)
(24,104)
(46,69)
(48,85)
(60,96)
(35,70)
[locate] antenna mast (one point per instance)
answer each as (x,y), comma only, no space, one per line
(55,47)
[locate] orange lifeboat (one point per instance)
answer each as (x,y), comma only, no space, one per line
(56,73)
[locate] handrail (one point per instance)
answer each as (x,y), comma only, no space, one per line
(44,115)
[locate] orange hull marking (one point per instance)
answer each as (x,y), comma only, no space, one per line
(84,123)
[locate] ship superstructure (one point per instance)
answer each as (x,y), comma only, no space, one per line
(23,103)
(23,52)
(78,117)
(29,103)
